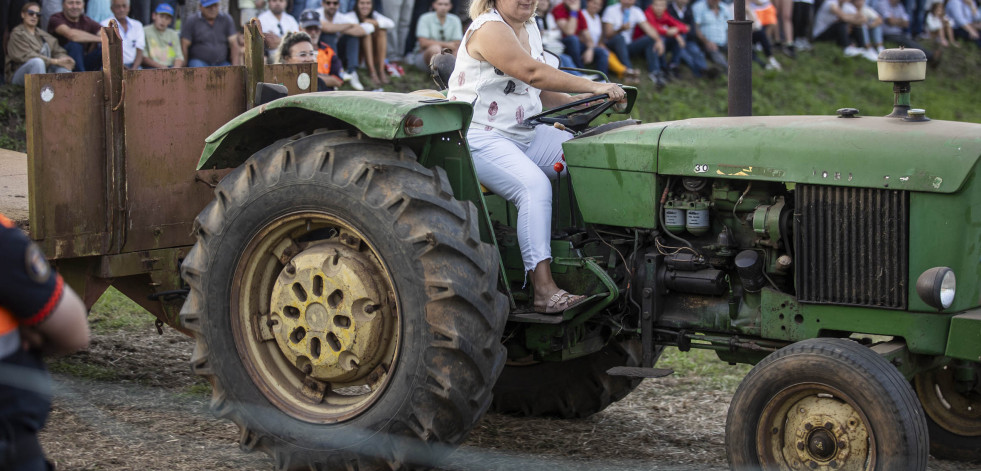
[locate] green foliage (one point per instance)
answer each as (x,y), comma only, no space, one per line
(115,312)
(702,370)
(13,131)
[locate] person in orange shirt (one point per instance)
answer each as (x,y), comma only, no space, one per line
(39,315)
(329,65)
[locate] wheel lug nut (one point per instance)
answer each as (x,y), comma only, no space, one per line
(800,445)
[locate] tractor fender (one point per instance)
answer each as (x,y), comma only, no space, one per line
(378,115)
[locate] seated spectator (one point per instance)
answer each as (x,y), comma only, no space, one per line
(276,24)
(374,45)
(840,21)
(435,31)
(566,15)
(328,63)
(712,30)
(627,33)
(343,33)
(131,33)
(78,34)
(896,24)
(208,36)
(761,38)
(872,29)
(672,32)
(32,51)
(594,54)
(551,36)
(938,25)
(163,44)
(691,53)
(964,20)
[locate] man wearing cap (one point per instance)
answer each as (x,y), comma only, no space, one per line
(276,23)
(329,65)
(163,45)
(78,34)
(131,33)
(207,38)
(343,32)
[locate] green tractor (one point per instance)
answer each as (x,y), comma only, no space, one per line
(358,301)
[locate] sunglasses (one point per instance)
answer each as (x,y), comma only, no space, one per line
(36,14)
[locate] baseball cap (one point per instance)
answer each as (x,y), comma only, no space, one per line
(309,18)
(165,8)
(208,3)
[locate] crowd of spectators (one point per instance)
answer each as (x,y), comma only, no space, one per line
(376,38)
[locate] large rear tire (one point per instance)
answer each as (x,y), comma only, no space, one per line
(344,308)
(826,404)
(953,417)
(568,389)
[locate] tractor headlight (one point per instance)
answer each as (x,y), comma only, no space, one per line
(937,286)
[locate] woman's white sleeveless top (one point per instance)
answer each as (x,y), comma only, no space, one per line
(500,102)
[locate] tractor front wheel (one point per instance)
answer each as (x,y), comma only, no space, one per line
(826,404)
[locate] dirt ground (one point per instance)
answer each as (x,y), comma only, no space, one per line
(143,416)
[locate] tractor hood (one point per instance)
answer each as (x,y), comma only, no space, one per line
(871,152)
(378,115)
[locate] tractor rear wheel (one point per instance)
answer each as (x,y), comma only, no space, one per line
(569,389)
(826,404)
(344,307)
(953,416)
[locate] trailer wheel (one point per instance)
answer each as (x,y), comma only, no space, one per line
(826,404)
(953,417)
(568,389)
(344,308)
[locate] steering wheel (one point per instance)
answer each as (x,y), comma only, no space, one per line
(577,120)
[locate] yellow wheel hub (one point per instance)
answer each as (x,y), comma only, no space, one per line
(328,308)
(813,429)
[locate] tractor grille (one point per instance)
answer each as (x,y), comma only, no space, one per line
(852,246)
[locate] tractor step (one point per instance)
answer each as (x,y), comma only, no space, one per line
(638,372)
(533,317)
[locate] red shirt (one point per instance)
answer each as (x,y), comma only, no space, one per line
(562,12)
(665,21)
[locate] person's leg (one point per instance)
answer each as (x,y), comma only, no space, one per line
(503,167)
(93,59)
(368,53)
(785,23)
(197,63)
(573,47)
(351,47)
(601,60)
(618,46)
(645,46)
(381,51)
(57,69)
(75,51)
(32,66)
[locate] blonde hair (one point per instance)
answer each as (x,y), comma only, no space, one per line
(479,7)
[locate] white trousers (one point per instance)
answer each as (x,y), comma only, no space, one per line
(521,174)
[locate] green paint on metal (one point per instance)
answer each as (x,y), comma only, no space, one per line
(630,148)
(376,114)
(964,342)
(628,198)
(873,152)
(946,232)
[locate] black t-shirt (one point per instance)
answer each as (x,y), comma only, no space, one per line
(29,291)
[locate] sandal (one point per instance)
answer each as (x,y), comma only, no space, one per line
(560,301)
